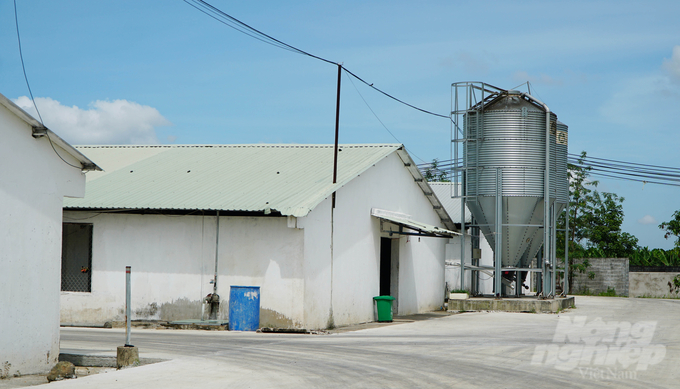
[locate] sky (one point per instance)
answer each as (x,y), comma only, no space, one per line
(150,72)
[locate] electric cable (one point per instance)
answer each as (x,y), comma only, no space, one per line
(252,32)
(59,155)
(23,67)
(381,122)
(30,92)
(577,156)
(637,172)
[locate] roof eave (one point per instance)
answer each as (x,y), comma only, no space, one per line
(425,187)
(38,130)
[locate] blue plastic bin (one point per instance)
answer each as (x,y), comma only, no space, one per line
(244,308)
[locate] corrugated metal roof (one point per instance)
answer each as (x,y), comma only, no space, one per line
(401,219)
(290,179)
(444,192)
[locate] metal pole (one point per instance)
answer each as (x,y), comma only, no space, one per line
(459,174)
(546,203)
(540,284)
(127,306)
(553,249)
(462,243)
(566,251)
(499,232)
(217,250)
(337,133)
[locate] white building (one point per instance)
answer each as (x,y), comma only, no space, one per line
(38,170)
(155,208)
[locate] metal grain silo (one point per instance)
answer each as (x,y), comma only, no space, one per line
(514,175)
(506,153)
(560,173)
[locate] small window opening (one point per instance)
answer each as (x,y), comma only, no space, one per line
(76,257)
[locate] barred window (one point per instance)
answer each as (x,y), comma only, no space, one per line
(76,257)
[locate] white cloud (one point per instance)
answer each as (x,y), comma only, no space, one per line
(672,65)
(647,219)
(103,122)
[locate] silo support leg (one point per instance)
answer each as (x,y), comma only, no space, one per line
(499,234)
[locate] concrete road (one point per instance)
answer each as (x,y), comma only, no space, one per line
(605,342)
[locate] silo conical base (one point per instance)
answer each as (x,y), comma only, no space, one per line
(523,212)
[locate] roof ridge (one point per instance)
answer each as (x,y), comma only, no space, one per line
(245,145)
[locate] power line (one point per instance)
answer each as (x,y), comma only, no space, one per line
(630,171)
(28,85)
(252,32)
(596,174)
(394,98)
(244,28)
(23,67)
(381,122)
(623,169)
(587,157)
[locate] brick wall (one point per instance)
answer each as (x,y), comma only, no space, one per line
(609,273)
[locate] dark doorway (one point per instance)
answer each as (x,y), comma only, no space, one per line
(76,257)
(385,266)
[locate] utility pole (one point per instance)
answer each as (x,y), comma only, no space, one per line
(337,131)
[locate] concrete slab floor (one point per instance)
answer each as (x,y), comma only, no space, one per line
(466,350)
(400,319)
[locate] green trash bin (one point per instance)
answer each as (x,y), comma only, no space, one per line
(384,304)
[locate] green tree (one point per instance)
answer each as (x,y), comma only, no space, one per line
(594,221)
(602,228)
(580,197)
(434,174)
(672,228)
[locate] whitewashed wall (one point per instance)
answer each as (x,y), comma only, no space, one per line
(317,266)
(173,263)
(356,249)
(265,252)
(172,259)
(33,182)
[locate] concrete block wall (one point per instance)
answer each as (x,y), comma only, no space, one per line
(609,273)
(653,284)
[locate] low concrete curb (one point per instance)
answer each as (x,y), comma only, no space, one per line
(512,304)
(100,360)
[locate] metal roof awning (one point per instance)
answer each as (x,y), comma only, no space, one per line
(404,221)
